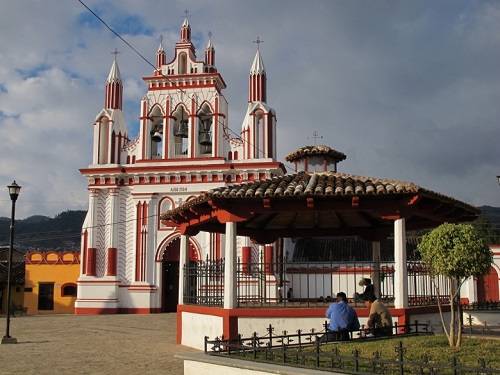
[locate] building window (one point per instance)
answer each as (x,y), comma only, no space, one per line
(68,290)
(28,290)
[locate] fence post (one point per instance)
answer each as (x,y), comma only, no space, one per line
(299,338)
(254,345)
(283,350)
(317,351)
(270,330)
(400,351)
(205,345)
(355,352)
(416,326)
(469,319)
(454,364)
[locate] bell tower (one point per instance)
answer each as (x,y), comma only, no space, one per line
(109,127)
(259,126)
(184,113)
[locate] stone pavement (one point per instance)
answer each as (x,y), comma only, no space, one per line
(101,344)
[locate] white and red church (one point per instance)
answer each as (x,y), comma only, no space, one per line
(184,147)
(261,237)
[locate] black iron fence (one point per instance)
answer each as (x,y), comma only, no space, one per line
(482,306)
(204,282)
(422,285)
(309,284)
(307,350)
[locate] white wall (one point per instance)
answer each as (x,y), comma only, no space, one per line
(196,326)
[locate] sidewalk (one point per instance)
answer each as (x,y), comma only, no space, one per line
(102,344)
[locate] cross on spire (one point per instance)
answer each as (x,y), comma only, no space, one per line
(186,13)
(210,35)
(258,41)
(115,52)
(315,137)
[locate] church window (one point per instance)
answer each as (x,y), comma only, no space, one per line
(205,136)
(182,63)
(181,132)
(156,133)
(165,205)
(259,137)
(103,140)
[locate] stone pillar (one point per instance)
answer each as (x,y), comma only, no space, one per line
(114,217)
(183,256)
(91,261)
(376,268)
(230,267)
(92,217)
(111,266)
(400,271)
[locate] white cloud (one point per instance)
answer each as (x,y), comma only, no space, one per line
(408,91)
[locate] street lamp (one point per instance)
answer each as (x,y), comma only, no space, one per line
(14,193)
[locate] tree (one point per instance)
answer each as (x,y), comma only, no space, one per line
(456,251)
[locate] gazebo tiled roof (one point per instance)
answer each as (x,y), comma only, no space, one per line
(321,203)
(313,184)
(318,150)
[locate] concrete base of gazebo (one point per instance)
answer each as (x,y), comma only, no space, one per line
(194,322)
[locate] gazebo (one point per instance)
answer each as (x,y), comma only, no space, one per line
(303,204)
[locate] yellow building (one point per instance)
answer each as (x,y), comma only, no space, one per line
(50,282)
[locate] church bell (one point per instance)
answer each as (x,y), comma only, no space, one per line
(181,129)
(156,137)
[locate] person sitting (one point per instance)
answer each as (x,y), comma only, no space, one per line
(343,319)
(379,318)
(369,291)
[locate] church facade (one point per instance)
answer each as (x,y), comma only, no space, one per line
(129,259)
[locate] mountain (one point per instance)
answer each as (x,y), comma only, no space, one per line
(42,232)
(492,214)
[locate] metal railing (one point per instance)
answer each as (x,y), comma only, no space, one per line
(307,284)
(293,284)
(422,285)
(308,350)
(204,282)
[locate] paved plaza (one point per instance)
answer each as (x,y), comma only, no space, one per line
(102,344)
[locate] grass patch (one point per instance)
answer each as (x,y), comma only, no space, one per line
(434,347)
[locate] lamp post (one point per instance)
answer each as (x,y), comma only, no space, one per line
(14,193)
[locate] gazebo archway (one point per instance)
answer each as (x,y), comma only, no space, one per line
(168,255)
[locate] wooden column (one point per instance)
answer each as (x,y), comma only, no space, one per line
(268,259)
(400,271)
(230,267)
(246,255)
(376,267)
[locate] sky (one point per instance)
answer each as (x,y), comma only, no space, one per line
(407,89)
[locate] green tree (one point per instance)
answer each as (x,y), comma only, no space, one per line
(457,251)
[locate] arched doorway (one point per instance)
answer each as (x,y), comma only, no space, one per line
(170,273)
(487,286)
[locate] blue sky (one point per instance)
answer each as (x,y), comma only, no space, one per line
(408,90)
